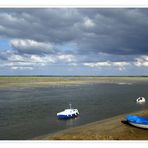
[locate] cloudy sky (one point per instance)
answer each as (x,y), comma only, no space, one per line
(62,41)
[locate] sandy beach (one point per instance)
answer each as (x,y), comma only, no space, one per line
(108,129)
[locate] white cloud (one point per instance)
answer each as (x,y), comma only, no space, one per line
(88,23)
(43,60)
(141,61)
(15,57)
(66,57)
(21,68)
(31,46)
(18,61)
(29,43)
(119,65)
(97,64)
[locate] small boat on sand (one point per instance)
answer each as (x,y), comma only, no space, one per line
(68,113)
(137,121)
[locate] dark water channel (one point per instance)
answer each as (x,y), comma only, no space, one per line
(29,112)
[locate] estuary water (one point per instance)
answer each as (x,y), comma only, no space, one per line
(29,112)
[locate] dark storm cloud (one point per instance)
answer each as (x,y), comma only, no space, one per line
(54,25)
(118,31)
(94,31)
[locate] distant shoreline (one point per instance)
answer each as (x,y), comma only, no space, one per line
(73,76)
(6,82)
(108,129)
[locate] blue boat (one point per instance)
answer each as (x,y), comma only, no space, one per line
(137,121)
(68,113)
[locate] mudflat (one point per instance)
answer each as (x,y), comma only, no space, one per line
(37,81)
(108,129)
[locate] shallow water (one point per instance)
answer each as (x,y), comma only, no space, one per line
(29,112)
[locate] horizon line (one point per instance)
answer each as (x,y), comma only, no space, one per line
(73,75)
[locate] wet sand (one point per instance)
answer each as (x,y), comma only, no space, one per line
(108,129)
(6,82)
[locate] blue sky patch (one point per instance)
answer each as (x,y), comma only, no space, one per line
(4,44)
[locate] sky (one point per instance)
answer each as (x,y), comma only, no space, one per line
(74,41)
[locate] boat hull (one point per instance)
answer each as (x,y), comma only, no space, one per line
(139,125)
(67,116)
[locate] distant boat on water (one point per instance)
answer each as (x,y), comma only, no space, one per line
(68,113)
(140,100)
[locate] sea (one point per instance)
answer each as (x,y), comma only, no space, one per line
(30,112)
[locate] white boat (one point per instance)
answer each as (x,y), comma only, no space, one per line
(68,113)
(140,100)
